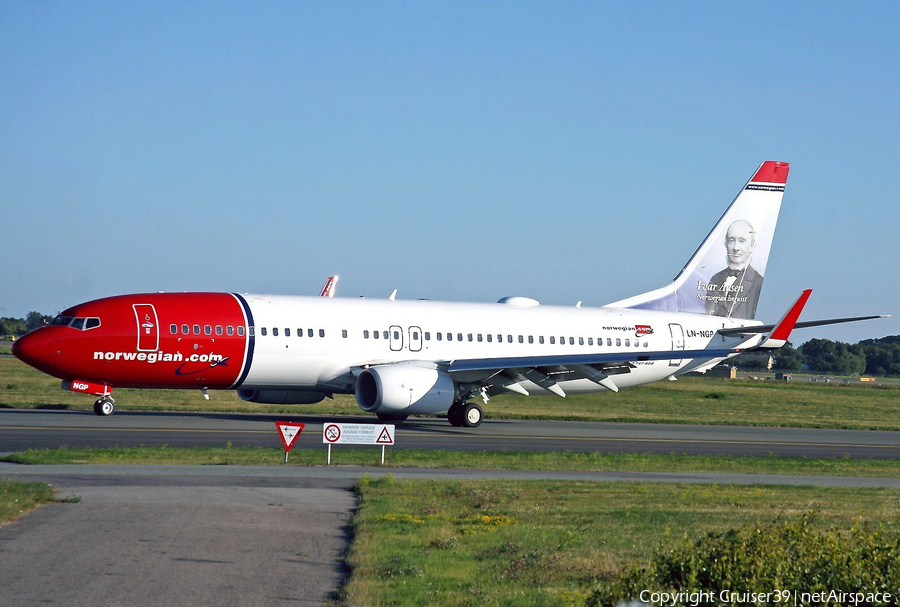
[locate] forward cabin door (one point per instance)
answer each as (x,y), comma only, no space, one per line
(677,342)
(147,327)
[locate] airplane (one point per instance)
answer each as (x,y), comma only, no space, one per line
(401,358)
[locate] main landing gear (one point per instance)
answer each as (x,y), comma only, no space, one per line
(465,415)
(105,406)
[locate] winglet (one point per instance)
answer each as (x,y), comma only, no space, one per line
(782,331)
(328,289)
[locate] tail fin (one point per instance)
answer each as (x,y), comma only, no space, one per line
(724,276)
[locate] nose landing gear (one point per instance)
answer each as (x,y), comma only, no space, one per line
(105,405)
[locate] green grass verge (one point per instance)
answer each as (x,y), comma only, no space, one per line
(494,460)
(18,498)
(690,400)
(549,543)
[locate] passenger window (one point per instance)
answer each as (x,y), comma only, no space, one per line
(427,335)
(274,331)
(562,341)
(229,330)
(252,331)
(196,329)
(416,335)
(521,339)
(490,337)
(552,339)
(449,336)
(396,334)
(609,341)
(309,333)
(646,345)
(509,339)
(376,334)
(184,330)
(321,332)
(541,339)
(299,332)
(207,330)
(471,337)
(263,331)
(366,334)
(287,332)
(241,332)
(459,337)
(440,336)
(384,334)
(618,342)
(580,341)
(173,329)
(590,341)
(218,329)
(344,333)
(627,342)
(531,339)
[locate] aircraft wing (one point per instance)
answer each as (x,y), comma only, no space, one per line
(545,371)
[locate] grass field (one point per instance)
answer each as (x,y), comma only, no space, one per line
(18,498)
(481,460)
(550,543)
(689,400)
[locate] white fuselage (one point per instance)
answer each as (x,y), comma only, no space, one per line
(320,341)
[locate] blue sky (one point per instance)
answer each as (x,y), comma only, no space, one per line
(460,151)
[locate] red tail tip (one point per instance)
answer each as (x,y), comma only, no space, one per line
(772,171)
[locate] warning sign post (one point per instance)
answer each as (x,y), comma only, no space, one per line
(358,434)
(289,431)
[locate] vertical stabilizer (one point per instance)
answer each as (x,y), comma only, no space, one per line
(724,276)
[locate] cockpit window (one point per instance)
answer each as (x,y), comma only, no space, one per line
(80,323)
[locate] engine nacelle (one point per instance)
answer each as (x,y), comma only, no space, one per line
(282,397)
(404,388)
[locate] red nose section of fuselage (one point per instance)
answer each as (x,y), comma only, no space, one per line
(41,349)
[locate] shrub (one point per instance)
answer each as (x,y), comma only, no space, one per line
(799,554)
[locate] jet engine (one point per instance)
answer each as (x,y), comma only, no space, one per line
(399,389)
(282,397)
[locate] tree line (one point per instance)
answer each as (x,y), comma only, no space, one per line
(17,327)
(869,357)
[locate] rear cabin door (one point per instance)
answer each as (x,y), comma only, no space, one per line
(677,342)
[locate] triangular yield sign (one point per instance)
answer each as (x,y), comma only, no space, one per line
(385,437)
(289,432)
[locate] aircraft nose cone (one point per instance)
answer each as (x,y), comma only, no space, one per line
(35,348)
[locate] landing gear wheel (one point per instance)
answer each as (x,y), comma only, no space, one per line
(455,415)
(472,415)
(104,406)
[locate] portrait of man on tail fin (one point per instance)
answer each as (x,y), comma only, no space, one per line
(734,291)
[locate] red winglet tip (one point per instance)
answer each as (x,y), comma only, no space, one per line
(786,325)
(772,171)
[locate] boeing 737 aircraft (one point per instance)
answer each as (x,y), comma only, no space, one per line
(428,357)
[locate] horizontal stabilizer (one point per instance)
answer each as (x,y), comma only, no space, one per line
(799,325)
